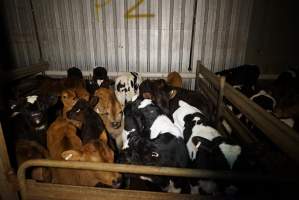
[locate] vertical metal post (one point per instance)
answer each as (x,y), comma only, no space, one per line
(36,33)
(192,36)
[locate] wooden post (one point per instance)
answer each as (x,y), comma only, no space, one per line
(219,111)
(6,172)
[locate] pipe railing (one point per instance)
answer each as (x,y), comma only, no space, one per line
(145,170)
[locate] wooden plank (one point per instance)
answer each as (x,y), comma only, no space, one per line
(279,133)
(219,107)
(236,125)
(45,191)
(6,172)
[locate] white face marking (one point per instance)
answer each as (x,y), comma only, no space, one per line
(78,110)
(145,103)
(146,178)
(134,97)
(40,127)
(229,107)
(99,82)
(125,135)
(196,119)
(163,124)
(206,132)
(289,121)
(183,110)
(155,154)
(13,106)
(230,152)
(14,114)
(171,188)
(264,93)
(31,99)
(237,87)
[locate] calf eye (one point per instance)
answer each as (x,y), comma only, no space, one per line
(106,113)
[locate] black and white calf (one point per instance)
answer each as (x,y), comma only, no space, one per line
(127,86)
(206,147)
(150,138)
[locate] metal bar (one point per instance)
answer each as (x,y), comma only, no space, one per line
(139,169)
(36,33)
(283,136)
(46,191)
(192,36)
(115,74)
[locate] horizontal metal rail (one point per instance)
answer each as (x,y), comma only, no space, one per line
(279,133)
(147,170)
(115,74)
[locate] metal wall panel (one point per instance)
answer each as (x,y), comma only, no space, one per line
(130,35)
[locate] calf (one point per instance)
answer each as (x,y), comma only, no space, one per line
(244,75)
(28,125)
(99,79)
(174,79)
(127,86)
(150,138)
(167,97)
(110,111)
(206,147)
(95,139)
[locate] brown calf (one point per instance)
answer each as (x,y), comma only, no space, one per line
(174,79)
(29,149)
(110,110)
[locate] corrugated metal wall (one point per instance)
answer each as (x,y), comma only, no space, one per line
(130,35)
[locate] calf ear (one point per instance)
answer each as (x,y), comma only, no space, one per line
(93,101)
(73,155)
(172,93)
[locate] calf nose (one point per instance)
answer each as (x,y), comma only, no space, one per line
(115,124)
(117,183)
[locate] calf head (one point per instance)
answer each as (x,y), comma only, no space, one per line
(92,125)
(97,151)
(109,108)
(174,79)
(265,100)
(127,86)
(159,92)
(34,110)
